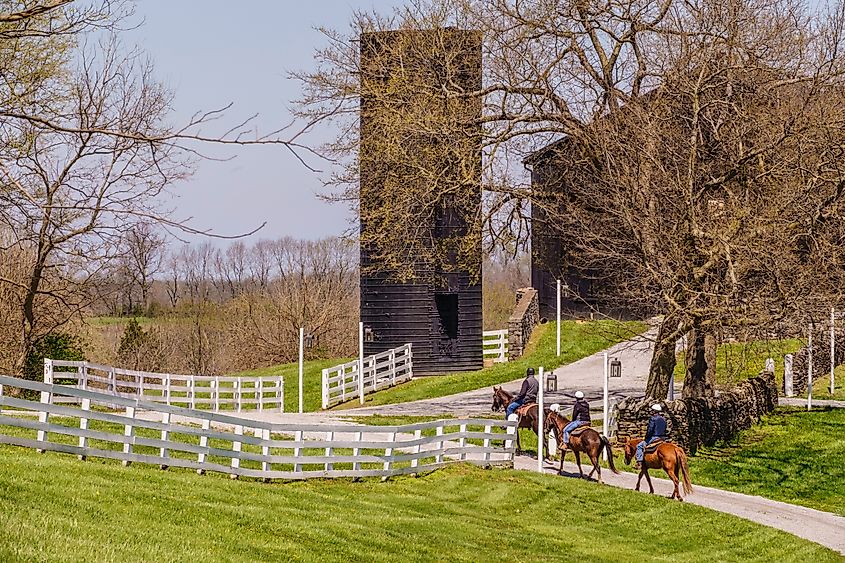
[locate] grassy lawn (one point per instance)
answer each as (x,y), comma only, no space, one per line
(793,455)
(578,340)
(312,375)
(55,508)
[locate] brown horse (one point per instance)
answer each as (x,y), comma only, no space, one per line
(527,416)
(588,441)
(668,456)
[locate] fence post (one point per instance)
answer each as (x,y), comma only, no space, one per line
(439,457)
(810,367)
(325,389)
(265,450)
(236,449)
(206,425)
(129,433)
(356,465)
(280,394)
(83,425)
(787,375)
(463,442)
(239,392)
(329,438)
(511,432)
(43,415)
(260,393)
(392,357)
(167,385)
(192,390)
(417,448)
(409,360)
(297,452)
(487,430)
(388,453)
(48,371)
(361,362)
(832,348)
(113,380)
(165,436)
(216,393)
(770,365)
(141,385)
(540,429)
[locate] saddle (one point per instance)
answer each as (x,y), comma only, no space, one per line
(578,431)
(652,447)
(523,410)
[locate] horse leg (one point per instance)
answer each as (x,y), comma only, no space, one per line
(672,472)
(648,479)
(562,455)
(578,461)
(640,478)
(596,467)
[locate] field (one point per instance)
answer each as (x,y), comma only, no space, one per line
(53,507)
(793,455)
(579,339)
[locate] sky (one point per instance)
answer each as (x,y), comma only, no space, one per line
(213,53)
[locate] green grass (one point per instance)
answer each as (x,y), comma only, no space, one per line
(55,508)
(312,374)
(578,340)
(793,455)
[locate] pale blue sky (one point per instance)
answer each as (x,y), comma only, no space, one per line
(215,52)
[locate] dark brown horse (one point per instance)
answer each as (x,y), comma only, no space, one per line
(671,457)
(527,416)
(587,441)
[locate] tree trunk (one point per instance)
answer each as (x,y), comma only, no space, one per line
(662,362)
(700,363)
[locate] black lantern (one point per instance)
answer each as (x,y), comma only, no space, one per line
(310,340)
(551,381)
(369,336)
(615,368)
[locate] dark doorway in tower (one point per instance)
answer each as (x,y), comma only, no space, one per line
(447,321)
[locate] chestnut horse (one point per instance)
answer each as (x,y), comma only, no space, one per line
(588,441)
(670,457)
(527,416)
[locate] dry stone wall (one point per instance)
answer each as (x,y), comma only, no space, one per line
(525,317)
(821,360)
(703,422)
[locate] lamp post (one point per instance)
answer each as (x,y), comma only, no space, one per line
(540,425)
(810,367)
(558,317)
(551,381)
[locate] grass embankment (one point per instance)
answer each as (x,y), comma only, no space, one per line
(579,339)
(793,455)
(53,507)
(736,361)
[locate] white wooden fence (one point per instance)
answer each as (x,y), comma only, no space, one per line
(496,345)
(169,436)
(385,369)
(193,391)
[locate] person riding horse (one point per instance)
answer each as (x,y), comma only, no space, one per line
(656,429)
(580,417)
(527,394)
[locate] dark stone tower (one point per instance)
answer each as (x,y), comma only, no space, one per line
(422,146)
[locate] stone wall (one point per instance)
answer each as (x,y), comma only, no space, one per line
(525,317)
(696,422)
(821,360)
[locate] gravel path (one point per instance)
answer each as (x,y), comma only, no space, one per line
(820,527)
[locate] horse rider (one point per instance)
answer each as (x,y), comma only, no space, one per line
(580,417)
(656,429)
(527,394)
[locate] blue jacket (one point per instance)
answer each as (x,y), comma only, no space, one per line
(656,427)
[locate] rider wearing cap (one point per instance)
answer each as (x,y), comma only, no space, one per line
(656,429)
(580,416)
(528,393)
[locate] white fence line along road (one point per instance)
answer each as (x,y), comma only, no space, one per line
(495,343)
(192,391)
(207,441)
(382,370)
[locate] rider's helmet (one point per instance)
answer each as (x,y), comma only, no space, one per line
(579,395)
(656,407)
(529,371)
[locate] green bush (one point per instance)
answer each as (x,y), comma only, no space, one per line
(56,346)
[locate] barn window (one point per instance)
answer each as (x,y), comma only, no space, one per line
(447,311)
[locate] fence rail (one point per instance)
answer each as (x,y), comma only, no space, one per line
(496,345)
(382,370)
(169,436)
(193,391)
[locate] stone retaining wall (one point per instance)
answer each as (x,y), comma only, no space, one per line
(696,422)
(525,317)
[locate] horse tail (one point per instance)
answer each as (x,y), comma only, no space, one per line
(682,459)
(609,450)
